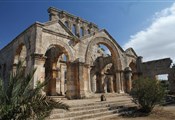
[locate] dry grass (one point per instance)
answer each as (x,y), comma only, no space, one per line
(159,113)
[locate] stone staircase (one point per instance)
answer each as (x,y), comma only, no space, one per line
(94,110)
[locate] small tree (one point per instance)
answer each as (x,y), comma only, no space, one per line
(147,92)
(19,100)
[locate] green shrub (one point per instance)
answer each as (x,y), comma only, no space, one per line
(147,93)
(19,100)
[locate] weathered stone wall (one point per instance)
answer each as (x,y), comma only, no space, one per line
(8,53)
(156,67)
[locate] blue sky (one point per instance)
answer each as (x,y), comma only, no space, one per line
(123,19)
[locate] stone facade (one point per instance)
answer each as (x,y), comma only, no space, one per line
(159,67)
(66,51)
(156,67)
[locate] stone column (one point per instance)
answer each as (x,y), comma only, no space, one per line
(58,82)
(52,82)
(62,76)
(94,84)
(118,82)
(73,86)
(105,83)
(77,81)
(111,86)
(122,80)
(128,75)
(89,78)
(100,83)
(39,61)
(78,27)
(84,79)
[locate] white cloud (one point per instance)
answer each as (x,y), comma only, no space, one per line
(157,40)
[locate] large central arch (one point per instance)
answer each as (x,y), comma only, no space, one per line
(112,46)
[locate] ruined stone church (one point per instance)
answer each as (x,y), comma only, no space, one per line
(66,50)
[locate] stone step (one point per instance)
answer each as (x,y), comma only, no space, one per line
(98,102)
(107,95)
(78,113)
(97,95)
(92,106)
(95,115)
(97,105)
(93,109)
(110,116)
(119,108)
(58,97)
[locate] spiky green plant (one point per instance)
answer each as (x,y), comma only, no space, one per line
(19,100)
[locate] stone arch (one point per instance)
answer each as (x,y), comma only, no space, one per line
(53,71)
(117,66)
(130,75)
(20,54)
(65,48)
(104,68)
(110,45)
(133,68)
(108,81)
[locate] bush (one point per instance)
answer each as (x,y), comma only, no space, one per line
(147,93)
(19,100)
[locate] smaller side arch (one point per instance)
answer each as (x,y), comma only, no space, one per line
(64,47)
(54,67)
(20,54)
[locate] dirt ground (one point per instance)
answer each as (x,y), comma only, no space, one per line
(159,113)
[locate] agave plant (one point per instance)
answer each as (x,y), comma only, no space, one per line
(19,100)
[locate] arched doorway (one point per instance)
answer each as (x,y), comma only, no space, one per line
(133,67)
(20,55)
(130,75)
(56,70)
(108,83)
(98,63)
